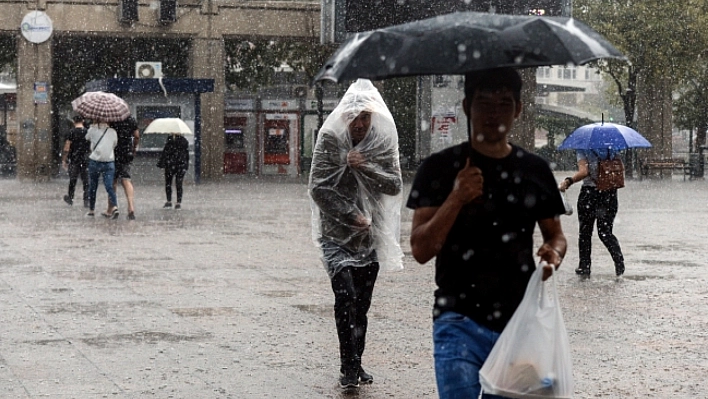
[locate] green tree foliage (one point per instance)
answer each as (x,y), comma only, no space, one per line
(558,126)
(252,64)
(8,53)
(691,106)
(661,39)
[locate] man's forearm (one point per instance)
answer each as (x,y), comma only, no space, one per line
(428,237)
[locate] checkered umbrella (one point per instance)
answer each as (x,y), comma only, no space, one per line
(101,106)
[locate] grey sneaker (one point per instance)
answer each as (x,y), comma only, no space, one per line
(167,205)
(178,206)
(68,200)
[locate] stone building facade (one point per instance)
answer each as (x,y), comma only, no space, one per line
(205,24)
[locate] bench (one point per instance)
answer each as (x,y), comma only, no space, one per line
(648,166)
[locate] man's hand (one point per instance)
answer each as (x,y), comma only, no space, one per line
(355,159)
(469,184)
(64,165)
(361,222)
(551,259)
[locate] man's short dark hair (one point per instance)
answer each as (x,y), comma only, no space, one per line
(77,118)
(493,79)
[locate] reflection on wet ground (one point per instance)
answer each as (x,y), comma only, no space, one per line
(227,298)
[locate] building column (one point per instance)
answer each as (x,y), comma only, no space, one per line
(207,62)
(34,144)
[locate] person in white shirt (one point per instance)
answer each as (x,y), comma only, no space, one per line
(101,162)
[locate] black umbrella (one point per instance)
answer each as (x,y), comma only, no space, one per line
(461,42)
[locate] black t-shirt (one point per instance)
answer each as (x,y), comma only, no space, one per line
(488,256)
(124,149)
(80,148)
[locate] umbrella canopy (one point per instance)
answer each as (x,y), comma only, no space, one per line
(101,106)
(457,43)
(596,136)
(168,126)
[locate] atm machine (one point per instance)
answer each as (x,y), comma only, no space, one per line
(235,155)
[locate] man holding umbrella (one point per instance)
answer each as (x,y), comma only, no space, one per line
(476,207)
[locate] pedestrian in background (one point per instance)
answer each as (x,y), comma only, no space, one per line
(101,163)
(175,161)
(128,141)
(476,206)
(595,205)
(75,160)
(355,185)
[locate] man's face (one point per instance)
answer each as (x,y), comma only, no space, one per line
(360,126)
(492,114)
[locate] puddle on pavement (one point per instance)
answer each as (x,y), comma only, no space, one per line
(150,337)
(279,294)
(203,312)
(120,274)
(97,308)
(319,310)
(669,263)
(149,259)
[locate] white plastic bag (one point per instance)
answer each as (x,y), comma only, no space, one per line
(566,204)
(531,359)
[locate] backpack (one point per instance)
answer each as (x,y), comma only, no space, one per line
(610,174)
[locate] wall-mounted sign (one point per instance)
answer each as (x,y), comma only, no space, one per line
(278,105)
(41,92)
(36,27)
(327,105)
(234,104)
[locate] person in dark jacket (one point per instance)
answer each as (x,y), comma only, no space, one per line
(175,160)
(355,186)
(75,159)
(128,142)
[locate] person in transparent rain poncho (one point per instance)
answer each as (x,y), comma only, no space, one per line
(355,186)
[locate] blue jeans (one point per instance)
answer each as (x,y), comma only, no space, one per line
(460,348)
(95,169)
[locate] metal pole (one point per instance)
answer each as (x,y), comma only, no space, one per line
(197,138)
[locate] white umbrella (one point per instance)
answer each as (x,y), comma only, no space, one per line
(168,126)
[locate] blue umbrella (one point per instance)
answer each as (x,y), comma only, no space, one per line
(596,136)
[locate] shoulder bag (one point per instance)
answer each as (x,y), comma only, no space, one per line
(610,174)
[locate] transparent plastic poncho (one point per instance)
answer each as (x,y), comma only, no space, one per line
(344,195)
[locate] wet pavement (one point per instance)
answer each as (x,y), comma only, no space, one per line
(226,298)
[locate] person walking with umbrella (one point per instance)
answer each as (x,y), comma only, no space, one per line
(102,108)
(594,144)
(476,206)
(103,140)
(175,161)
(128,141)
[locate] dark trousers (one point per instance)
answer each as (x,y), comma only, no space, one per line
(178,175)
(600,206)
(353,288)
(77,170)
